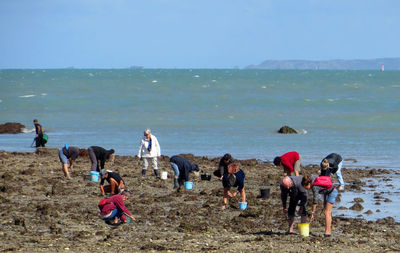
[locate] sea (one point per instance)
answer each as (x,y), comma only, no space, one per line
(210,112)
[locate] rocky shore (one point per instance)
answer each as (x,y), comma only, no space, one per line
(41,211)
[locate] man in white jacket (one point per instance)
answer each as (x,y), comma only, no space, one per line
(149,150)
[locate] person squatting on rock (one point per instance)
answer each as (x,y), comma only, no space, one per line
(40,142)
(67,155)
(149,151)
(115,182)
(297,188)
(96,154)
(223,166)
(182,168)
(333,164)
(113,208)
(322,185)
(234,177)
(290,162)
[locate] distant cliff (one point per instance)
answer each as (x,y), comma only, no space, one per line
(372,64)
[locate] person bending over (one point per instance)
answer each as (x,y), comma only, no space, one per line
(297,188)
(115,182)
(332,164)
(182,168)
(69,154)
(96,154)
(233,178)
(290,162)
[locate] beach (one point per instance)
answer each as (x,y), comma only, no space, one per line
(43,212)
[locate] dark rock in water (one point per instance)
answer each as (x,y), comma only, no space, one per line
(357,207)
(372,172)
(287,130)
(342,208)
(358,200)
(350,160)
(388,200)
(378,210)
(368,212)
(11,128)
(378,203)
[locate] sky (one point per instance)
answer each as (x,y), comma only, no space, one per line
(193,33)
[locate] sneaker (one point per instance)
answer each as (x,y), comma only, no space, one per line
(341,188)
(327,235)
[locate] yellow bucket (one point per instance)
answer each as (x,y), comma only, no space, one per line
(304,229)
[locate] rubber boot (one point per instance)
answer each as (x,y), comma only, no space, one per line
(176,185)
(157,174)
(143,173)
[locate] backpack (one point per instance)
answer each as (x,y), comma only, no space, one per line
(324,181)
(102,203)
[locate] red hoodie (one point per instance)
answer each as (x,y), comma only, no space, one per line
(113,202)
(289,159)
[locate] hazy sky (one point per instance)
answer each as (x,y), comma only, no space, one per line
(193,33)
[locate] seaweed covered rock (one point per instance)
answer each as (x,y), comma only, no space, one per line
(11,128)
(287,130)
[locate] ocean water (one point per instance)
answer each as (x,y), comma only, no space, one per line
(210,112)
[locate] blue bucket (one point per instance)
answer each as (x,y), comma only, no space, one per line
(94,176)
(243,205)
(188,185)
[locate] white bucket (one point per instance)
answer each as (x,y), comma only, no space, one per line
(164,175)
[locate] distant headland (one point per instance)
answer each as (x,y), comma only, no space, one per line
(370,64)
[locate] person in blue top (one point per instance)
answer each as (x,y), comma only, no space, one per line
(182,168)
(233,178)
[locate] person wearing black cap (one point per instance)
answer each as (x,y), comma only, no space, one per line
(96,154)
(116,183)
(182,168)
(234,177)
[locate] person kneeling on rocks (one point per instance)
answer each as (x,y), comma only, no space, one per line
(297,188)
(182,168)
(113,208)
(233,178)
(115,181)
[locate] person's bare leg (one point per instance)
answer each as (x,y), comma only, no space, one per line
(328,218)
(65,170)
(225,200)
(291,225)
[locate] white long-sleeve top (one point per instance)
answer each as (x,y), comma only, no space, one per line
(155,147)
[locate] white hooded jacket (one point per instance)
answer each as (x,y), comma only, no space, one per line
(155,147)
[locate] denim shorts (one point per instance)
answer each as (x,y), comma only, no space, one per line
(331,197)
(63,158)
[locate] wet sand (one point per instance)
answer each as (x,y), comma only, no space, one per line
(41,211)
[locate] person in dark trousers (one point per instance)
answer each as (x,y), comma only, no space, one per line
(96,154)
(67,155)
(115,182)
(223,166)
(40,142)
(297,188)
(234,177)
(114,209)
(182,168)
(332,164)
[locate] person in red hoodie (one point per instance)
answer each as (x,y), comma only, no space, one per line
(290,162)
(114,209)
